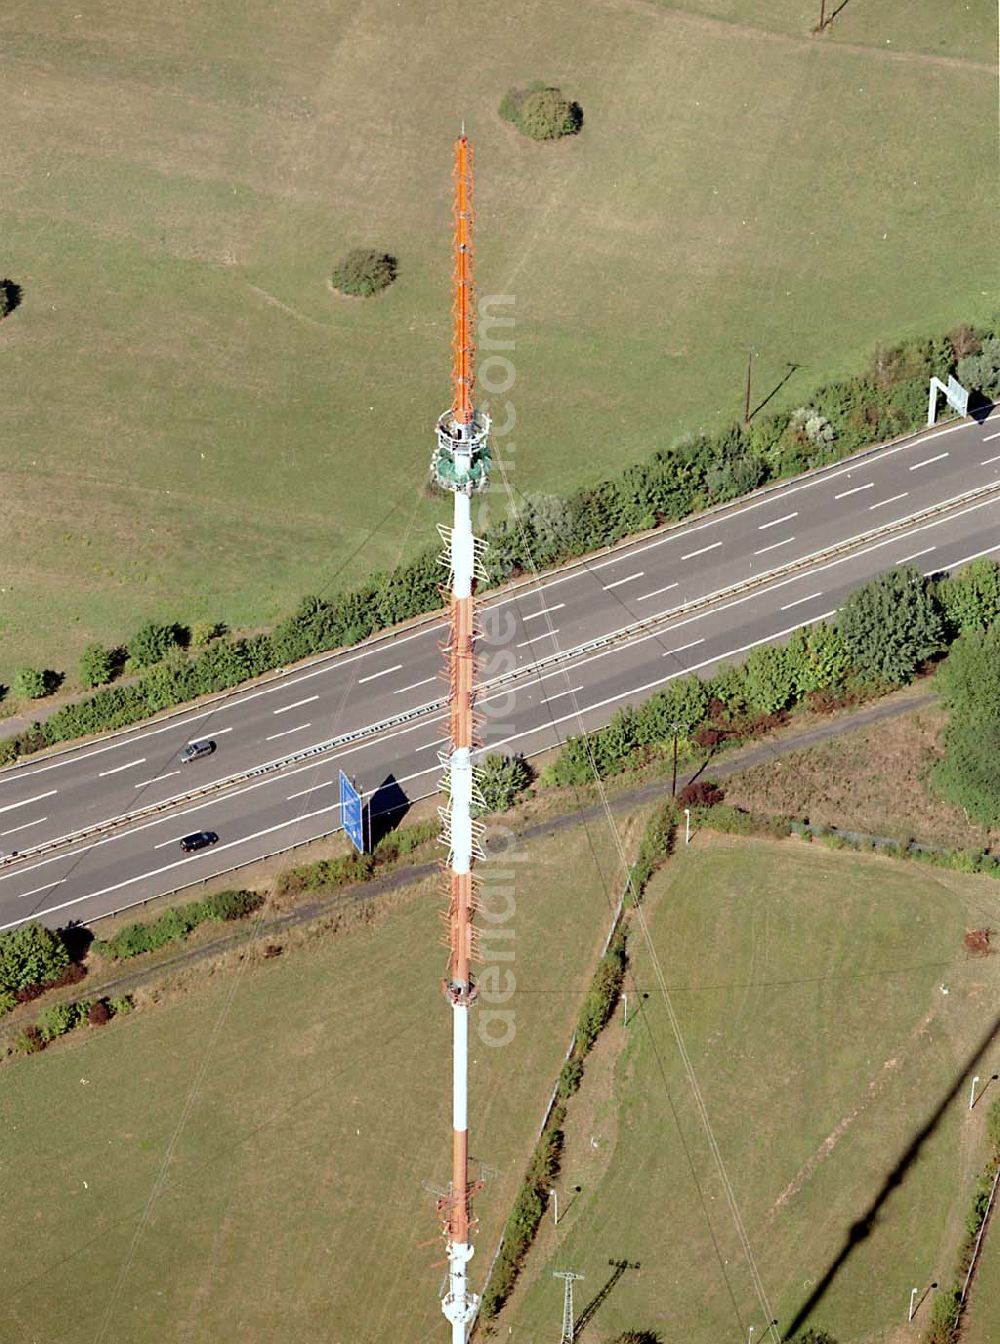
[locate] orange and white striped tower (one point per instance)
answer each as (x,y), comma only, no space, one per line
(461,465)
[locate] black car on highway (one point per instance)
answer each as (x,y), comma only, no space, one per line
(198,840)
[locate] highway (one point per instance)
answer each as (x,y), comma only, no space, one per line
(669,599)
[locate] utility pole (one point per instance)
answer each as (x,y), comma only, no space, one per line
(568,1278)
(461,465)
(675,728)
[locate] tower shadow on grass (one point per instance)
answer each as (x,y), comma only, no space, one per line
(776,389)
(618,1268)
(386,808)
(863,1227)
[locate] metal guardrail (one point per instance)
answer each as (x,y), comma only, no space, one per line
(623,635)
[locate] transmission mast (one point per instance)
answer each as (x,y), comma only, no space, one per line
(568,1278)
(461,464)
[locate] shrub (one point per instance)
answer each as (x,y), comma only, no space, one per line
(891,625)
(814,1336)
(971,600)
(993,1127)
(364,271)
(700,793)
(602,995)
(768,678)
(501,779)
(30,1041)
(541,112)
(31,955)
(57,1020)
(527,1212)
(151,643)
(203,632)
(947,1308)
(570,1077)
(546,114)
(224,905)
(122,1006)
(99,1013)
(10,296)
(96,665)
(981,371)
(30,683)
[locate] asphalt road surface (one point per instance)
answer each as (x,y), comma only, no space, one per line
(540,638)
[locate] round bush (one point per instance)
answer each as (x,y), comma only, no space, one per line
(30,683)
(547,114)
(363,272)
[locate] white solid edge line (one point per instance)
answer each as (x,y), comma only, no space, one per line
(778,582)
(576,714)
(191,858)
(339,658)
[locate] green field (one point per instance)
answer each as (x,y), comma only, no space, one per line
(810,991)
(243,1160)
(194,427)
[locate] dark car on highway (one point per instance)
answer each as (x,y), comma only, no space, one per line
(199,840)
(194,750)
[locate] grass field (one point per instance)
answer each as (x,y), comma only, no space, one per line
(810,991)
(194,427)
(244,1159)
(875,780)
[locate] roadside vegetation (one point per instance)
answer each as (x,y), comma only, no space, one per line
(699,471)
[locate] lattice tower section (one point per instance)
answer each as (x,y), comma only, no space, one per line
(461,464)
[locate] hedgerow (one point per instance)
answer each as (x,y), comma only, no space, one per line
(176,923)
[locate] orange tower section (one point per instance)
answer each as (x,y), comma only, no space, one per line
(461,465)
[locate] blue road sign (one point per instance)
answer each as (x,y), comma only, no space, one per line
(352,813)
